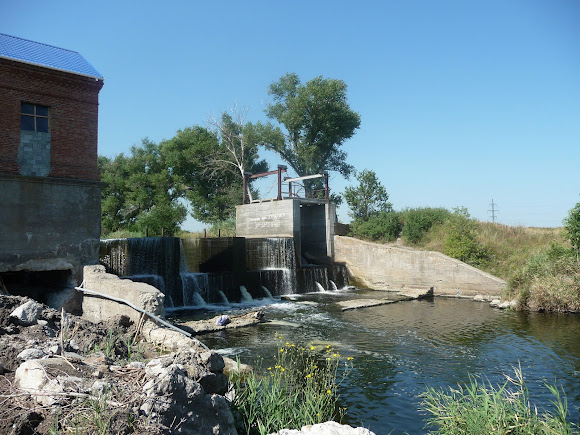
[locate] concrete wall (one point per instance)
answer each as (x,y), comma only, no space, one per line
(390,267)
(98,309)
(49,224)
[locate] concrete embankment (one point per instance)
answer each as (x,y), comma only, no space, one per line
(390,267)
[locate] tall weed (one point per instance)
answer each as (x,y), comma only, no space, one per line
(299,389)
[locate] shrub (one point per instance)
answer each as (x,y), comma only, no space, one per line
(572,227)
(384,226)
(550,280)
(484,409)
(298,390)
(461,242)
(417,221)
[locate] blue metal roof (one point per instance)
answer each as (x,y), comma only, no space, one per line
(48,56)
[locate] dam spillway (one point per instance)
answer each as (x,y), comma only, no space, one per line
(194,271)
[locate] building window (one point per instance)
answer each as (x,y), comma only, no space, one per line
(34,117)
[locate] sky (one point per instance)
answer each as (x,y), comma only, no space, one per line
(462,102)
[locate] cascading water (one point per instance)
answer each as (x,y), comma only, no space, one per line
(267,292)
(246,296)
(224,297)
(217,268)
(319,287)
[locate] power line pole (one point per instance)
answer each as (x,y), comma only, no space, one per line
(493,211)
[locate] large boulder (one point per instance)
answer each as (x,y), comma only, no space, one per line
(27,313)
(327,428)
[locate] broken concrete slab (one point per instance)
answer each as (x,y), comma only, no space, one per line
(364,303)
(204,326)
(407,294)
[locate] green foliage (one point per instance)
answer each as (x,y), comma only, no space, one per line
(550,281)
(139,193)
(300,389)
(212,193)
(317,120)
(478,408)
(368,198)
(572,227)
(384,226)
(418,221)
(461,241)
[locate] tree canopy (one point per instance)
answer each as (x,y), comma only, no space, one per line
(368,198)
(139,192)
(316,119)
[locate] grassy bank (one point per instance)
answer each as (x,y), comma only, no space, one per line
(540,265)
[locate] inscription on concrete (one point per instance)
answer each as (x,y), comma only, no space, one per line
(273,220)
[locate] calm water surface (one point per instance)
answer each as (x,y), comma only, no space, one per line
(401,348)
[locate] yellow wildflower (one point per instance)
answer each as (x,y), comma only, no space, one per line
(328,392)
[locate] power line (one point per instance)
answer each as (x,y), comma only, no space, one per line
(493,211)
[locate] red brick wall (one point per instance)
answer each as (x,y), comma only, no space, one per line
(73,102)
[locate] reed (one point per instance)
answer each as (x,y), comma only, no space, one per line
(480,408)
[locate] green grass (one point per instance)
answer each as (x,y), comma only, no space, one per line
(480,408)
(299,389)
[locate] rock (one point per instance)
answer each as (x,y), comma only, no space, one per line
(136,365)
(479,298)
(42,322)
(504,305)
(100,387)
(169,393)
(27,313)
(495,303)
(513,304)
(26,423)
(31,353)
(416,293)
(328,428)
(32,377)
(232,367)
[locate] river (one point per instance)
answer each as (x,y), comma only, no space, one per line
(400,349)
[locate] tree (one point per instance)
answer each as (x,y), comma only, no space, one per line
(238,150)
(208,165)
(140,193)
(572,227)
(461,240)
(367,199)
(317,120)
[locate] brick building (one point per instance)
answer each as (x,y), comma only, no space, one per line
(49,180)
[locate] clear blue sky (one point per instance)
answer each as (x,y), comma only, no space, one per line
(461,102)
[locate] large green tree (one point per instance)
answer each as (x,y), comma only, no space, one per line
(316,120)
(139,192)
(368,198)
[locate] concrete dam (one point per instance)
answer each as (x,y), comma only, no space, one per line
(195,271)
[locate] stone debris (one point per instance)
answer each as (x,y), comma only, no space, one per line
(178,392)
(27,313)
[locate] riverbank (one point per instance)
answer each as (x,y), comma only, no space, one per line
(66,374)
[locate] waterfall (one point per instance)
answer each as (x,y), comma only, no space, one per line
(332,285)
(224,297)
(198,300)
(267,292)
(194,286)
(246,296)
(319,286)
